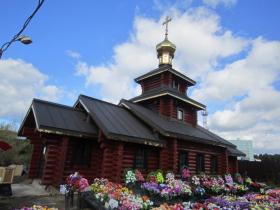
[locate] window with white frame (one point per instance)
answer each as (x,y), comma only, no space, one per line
(180,114)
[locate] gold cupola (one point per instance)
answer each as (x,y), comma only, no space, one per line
(165,49)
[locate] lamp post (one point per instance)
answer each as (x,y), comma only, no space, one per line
(18,37)
(23,39)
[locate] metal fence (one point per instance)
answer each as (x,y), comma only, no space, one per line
(265,171)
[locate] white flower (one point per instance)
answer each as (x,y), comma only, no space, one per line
(113,203)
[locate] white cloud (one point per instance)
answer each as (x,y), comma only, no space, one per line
(256,115)
(19,83)
(215,3)
(200,41)
(73,54)
(259,69)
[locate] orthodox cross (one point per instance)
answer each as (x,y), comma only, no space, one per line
(167,20)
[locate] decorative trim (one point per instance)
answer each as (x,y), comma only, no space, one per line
(64,133)
(80,101)
(159,72)
(35,117)
(200,151)
(162,94)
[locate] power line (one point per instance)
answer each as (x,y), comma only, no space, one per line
(16,37)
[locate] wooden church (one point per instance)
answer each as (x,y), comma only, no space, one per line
(156,130)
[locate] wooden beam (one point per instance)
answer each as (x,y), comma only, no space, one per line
(119,162)
(61,160)
(200,151)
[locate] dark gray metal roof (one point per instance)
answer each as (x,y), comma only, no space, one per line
(232,151)
(60,119)
(174,128)
(164,68)
(158,92)
(118,123)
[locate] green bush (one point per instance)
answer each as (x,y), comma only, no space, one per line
(20,152)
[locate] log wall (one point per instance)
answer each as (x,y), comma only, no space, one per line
(151,83)
(109,158)
(152,157)
(91,171)
(34,165)
(194,148)
(168,106)
(232,165)
(190,114)
(164,79)
(169,156)
(37,149)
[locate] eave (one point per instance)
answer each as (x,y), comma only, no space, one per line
(192,102)
(178,74)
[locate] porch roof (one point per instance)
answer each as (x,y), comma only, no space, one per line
(118,123)
(49,117)
(233,151)
(167,91)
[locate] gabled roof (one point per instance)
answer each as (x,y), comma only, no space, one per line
(118,123)
(59,119)
(173,128)
(168,91)
(164,68)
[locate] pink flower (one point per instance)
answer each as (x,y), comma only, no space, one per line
(139,176)
(185,173)
(83,184)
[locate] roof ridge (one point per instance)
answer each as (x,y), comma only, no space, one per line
(179,72)
(96,99)
(54,104)
(160,67)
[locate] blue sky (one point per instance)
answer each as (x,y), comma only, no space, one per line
(79,45)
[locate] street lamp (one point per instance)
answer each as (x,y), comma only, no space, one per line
(23,39)
(18,37)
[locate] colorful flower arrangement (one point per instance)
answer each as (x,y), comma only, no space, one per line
(74,182)
(185,173)
(170,189)
(156,176)
(130,177)
(203,192)
(250,201)
(133,176)
(115,196)
(217,185)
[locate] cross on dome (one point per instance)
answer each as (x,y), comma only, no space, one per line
(165,49)
(167,20)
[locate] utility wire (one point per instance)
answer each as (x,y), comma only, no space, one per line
(5,46)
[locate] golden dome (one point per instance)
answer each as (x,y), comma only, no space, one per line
(166,45)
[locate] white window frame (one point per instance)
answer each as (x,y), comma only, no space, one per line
(178,115)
